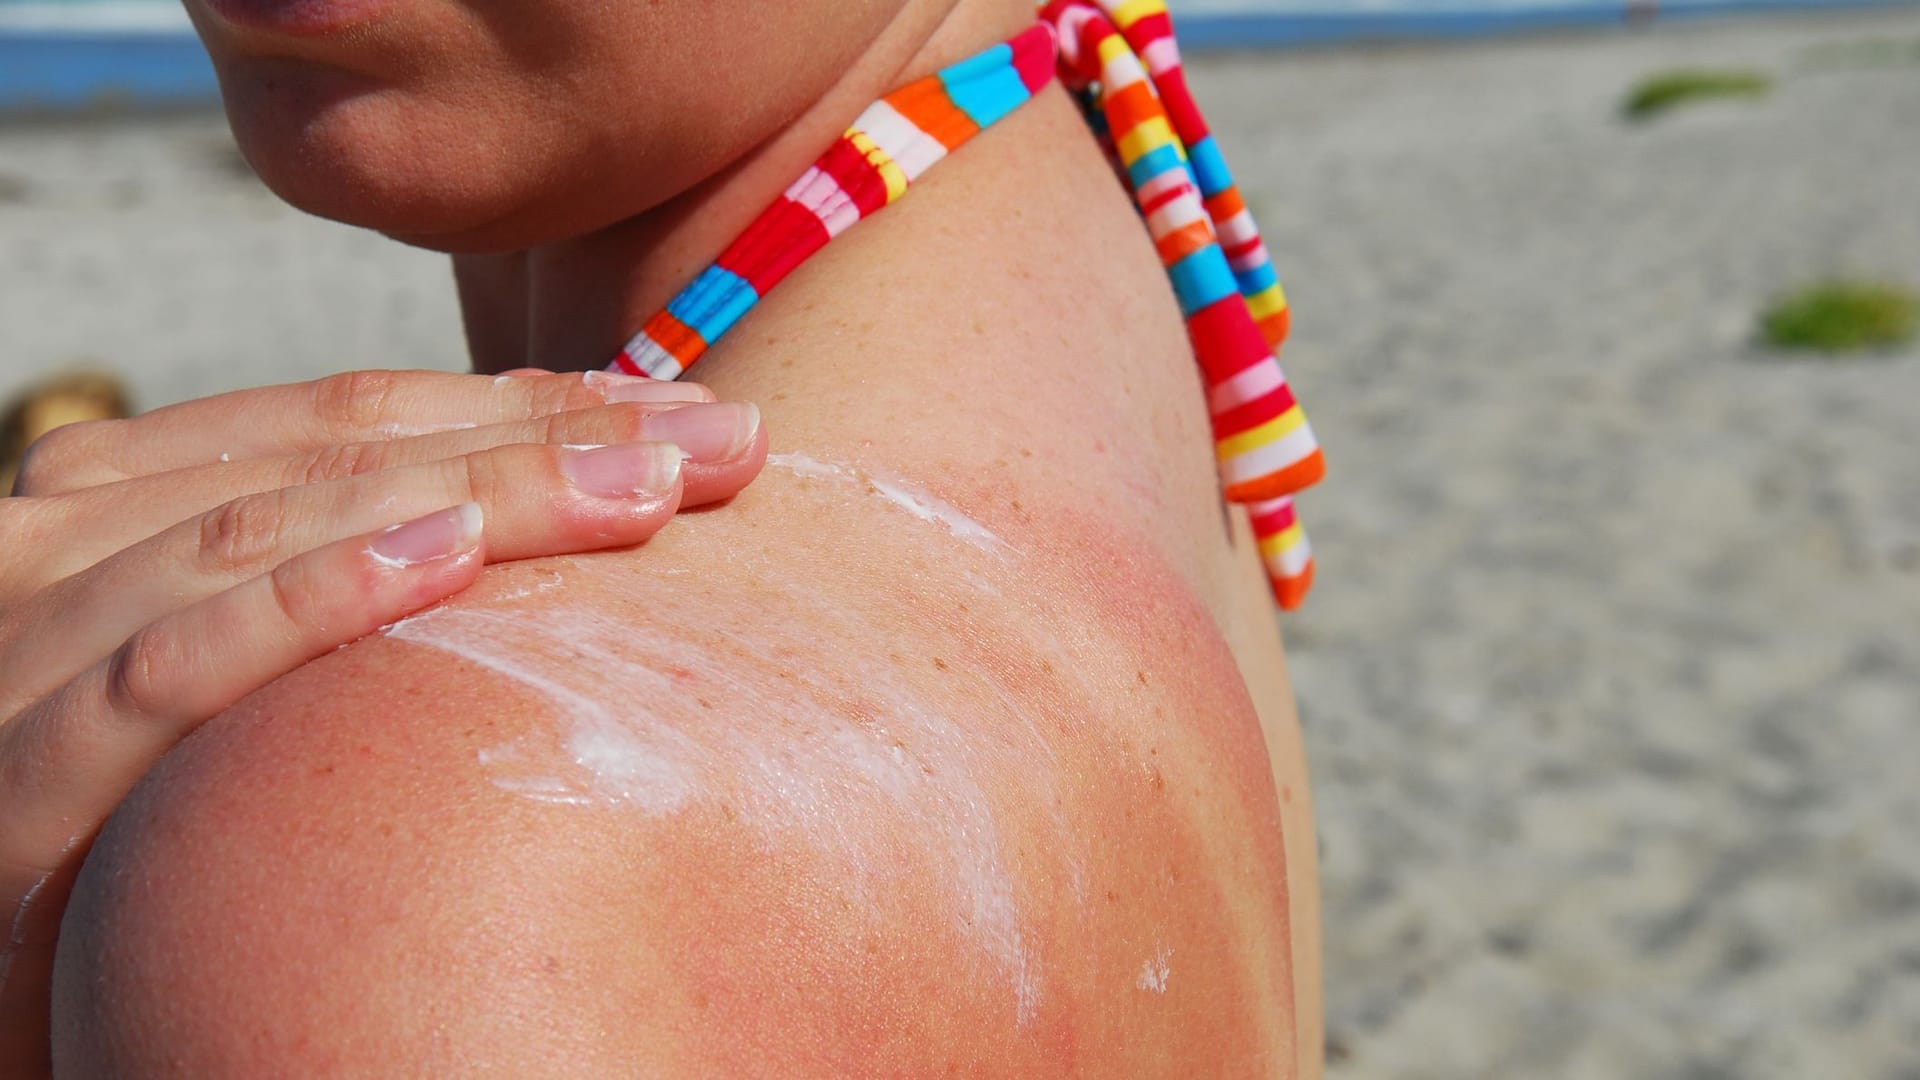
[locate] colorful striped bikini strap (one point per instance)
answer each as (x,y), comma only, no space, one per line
(895,140)
(1121,58)
(1265,449)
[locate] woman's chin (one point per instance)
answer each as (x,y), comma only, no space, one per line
(364,157)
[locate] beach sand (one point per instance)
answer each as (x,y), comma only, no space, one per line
(1611,677)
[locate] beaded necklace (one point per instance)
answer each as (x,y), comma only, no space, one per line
(1125,67)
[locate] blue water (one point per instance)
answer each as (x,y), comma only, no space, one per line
(66,53)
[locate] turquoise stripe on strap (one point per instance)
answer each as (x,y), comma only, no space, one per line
(985,87)
(714,302)
(1202,278)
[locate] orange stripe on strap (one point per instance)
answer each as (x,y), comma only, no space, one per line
(1275,326)
(1289,592)
(926,104)
(1183,242)
(1226,204)
(676,337)
(1130,107)
(1303,473)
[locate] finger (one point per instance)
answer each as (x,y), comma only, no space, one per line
(278,421)
(148,504)
(68,761)
(98,521)
(539,500)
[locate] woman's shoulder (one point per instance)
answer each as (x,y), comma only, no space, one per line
(945,800)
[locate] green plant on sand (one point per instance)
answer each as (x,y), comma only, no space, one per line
(1842,316)
(1657,93)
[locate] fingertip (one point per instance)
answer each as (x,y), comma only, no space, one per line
(719,481)
(473,523)
(428,538)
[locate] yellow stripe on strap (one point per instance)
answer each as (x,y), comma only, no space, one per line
(1111,48)
(1254,438)
(883,164)
(1267,302)
(1281,541)
(1134,10)
(1147,134)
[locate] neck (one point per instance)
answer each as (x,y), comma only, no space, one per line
(571,304)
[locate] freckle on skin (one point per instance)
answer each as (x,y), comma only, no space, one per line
(939,663)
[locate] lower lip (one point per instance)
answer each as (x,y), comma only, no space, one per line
(305,18)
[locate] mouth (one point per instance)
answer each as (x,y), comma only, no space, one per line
(299,18)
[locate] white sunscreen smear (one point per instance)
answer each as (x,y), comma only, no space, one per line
(913,500)
(847,767)
(1154,972)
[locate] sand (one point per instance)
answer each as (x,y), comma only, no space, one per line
(1611,676)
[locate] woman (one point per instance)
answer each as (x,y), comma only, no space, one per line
(959,742)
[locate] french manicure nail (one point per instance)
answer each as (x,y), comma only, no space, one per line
(624,471)
(616,388)
(706,433)
(424,539)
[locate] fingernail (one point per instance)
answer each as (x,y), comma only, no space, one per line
(616,388)
(706,432)
(424,539)
(625,471)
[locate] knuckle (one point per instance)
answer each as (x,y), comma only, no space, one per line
(355,399)
(337,462)
(297,595)
(136,675)
(484,479)
(243,534)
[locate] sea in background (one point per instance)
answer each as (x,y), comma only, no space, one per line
(64,54)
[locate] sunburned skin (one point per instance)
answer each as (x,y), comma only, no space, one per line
(969,852)
(840,776)
(846,743)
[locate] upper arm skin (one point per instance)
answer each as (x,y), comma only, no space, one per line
(588,822)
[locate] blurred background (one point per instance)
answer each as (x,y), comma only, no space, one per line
(1605,314)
